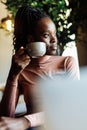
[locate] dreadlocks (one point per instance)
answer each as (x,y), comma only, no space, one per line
(25,22)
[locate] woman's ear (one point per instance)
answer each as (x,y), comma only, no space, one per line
(30,38)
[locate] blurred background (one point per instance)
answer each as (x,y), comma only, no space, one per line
(70,17)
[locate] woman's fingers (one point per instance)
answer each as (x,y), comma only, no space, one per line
(20,59)
(20,51)
(3,125)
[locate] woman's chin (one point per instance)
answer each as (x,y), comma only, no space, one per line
(53,52)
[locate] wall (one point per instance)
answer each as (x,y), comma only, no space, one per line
(5,48)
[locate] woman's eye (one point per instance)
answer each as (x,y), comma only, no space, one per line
(46,35)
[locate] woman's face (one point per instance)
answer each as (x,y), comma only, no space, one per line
(45,31)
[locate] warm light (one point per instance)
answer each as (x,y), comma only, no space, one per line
(7,23)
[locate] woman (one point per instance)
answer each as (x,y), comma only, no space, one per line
(31,25)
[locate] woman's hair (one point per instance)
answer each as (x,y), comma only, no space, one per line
(25,21)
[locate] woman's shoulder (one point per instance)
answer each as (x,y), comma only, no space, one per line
(62,58)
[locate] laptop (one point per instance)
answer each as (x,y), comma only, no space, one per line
(65,104)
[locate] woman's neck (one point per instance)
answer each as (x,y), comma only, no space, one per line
(41,59)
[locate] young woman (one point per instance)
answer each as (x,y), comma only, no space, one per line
(31,25)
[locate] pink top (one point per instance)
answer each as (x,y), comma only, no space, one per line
(42,68)
(53,67)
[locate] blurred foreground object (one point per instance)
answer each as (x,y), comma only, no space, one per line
(65,103)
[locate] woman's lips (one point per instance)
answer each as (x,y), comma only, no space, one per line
(53,47)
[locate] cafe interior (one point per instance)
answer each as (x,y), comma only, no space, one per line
(77,47)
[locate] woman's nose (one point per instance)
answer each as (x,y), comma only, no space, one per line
(53,39)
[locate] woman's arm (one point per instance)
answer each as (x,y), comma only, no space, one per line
(14,123)
(8,103)
(22,123)
(10,96)
(72,68)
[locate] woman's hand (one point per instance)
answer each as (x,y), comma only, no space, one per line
(19,61)
(7,123)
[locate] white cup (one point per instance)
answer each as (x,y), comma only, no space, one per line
(36,49)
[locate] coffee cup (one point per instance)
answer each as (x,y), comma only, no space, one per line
(36,49)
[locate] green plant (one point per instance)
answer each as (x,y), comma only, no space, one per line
(57,9)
